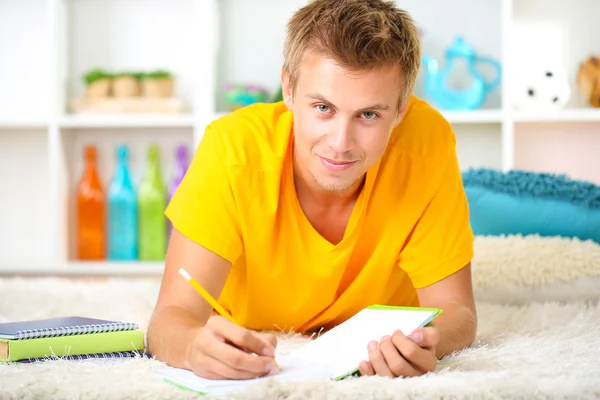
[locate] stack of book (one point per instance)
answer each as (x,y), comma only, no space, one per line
(69,338)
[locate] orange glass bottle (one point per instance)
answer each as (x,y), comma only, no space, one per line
(91,210)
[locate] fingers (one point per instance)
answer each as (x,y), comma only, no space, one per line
(427,337)
(234,363)
(212,358)
(365,368)
(269,337)
(244,338)
(224,371)
(402,356)
(396,363)
(225,350)
(421,358)
(211,368)
(377,360)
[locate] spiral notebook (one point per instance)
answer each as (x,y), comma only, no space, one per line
(67,336)
(61,326)
(335,355)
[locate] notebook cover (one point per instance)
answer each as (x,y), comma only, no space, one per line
(60,326)
(93,343)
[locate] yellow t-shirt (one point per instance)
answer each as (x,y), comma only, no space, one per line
(409,227)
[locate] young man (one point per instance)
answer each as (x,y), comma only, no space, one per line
(297,215)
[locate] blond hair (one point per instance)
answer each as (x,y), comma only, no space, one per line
(359,35)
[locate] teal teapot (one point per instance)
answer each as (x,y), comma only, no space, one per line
(448,98)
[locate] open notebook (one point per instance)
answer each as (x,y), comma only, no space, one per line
(334,355)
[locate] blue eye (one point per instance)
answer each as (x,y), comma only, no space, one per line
(322,108)
(369,115)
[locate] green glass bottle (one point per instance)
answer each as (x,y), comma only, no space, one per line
(152,204)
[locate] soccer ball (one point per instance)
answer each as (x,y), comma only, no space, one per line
(540,88)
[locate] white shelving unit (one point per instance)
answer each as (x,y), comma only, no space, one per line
(46,46)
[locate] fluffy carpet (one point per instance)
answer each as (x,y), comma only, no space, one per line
(526,347)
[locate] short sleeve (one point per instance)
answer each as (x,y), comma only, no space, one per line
(203,207)
(441,243)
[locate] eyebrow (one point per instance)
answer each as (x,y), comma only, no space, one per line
(374,107)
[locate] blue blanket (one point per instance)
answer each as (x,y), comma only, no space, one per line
(520,202)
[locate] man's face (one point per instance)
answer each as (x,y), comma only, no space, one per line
(342,120)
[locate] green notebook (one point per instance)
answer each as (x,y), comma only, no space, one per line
(334,355)
(57,337)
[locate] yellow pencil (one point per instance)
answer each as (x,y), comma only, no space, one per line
(207,295)
(211,300)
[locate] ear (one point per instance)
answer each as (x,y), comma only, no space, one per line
(401,112)
(286,89)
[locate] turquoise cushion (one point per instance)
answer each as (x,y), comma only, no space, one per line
(519,202)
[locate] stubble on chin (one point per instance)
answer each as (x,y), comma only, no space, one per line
(340,186)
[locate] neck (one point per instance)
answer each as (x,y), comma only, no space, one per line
(153,168)
(308,189)
(90,169)
(122,174)
(90,165)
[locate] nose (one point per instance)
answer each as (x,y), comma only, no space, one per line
(341,137)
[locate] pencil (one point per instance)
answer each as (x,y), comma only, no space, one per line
(211,300)
(207,296)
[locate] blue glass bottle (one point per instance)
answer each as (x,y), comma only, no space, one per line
(122,211)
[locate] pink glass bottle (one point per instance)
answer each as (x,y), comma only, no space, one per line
(182,163)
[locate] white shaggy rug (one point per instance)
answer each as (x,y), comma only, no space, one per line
(538,335)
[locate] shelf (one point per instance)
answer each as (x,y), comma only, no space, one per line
(100,268)
(496,116)
(492,116)
(22,124)
(474,117)
(567,115)
(187,121)
(127,121)
(115,268)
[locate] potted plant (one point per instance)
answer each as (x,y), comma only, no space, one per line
(126,84)
(159,83)
(98,83)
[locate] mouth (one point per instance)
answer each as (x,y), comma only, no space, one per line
(336,166)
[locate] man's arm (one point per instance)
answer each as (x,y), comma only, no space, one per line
(457,324)
(185,333)
(180,311)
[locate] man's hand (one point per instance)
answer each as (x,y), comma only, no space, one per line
(224,350)
(403,356)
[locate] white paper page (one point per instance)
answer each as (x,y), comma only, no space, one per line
(342,348)
(291,370)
